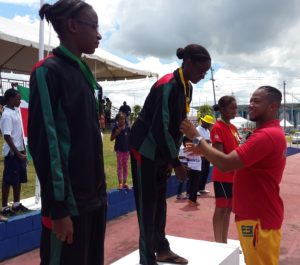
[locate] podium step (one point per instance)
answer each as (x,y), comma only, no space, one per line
(197,252)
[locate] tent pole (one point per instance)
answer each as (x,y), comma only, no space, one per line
(1,87)
(41,36)
(41,56)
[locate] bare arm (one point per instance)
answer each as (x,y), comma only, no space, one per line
(10,143)
(225,162)
(114,134)
(63,229)
(219,146)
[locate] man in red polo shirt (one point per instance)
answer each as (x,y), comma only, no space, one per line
(259,165)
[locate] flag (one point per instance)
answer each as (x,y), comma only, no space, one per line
(24,92)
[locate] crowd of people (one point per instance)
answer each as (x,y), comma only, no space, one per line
(67,150)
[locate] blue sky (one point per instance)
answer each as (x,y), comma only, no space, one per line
(12,10)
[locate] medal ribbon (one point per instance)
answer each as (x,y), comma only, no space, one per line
(234,133)
(187,99)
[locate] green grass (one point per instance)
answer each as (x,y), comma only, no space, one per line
(110,166)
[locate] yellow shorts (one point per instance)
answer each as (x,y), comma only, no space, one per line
(260,246)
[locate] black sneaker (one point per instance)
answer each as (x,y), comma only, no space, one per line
(20,208)
(7,212)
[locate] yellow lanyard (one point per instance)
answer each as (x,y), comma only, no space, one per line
(187,99)
(234,133)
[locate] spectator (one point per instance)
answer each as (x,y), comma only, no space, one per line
(101,124)
(107,112)
(1,110)
(204,129)
(155,140)
(126,110)
(120,133)
(193,174)
(183,160)
(66,143)
(259,165)
(14,151)
(224,137)
(101,101)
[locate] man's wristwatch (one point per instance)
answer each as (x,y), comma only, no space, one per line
(197,140)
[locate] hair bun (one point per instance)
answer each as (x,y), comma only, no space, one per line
(180,53)
(216,107)
(44,11)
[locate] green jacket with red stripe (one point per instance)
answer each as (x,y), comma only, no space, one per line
(156,133)
(64,138)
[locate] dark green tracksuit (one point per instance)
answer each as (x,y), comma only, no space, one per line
(65,143)
(155,140)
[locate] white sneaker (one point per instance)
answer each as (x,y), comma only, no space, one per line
(204,191)
(181,197)
(3,218)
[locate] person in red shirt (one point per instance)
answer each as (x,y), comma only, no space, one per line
(259,165)
(224,137)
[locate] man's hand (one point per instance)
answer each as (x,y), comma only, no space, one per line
(181,172)
(189,129)
(21,156)
(192,149)
(63,229)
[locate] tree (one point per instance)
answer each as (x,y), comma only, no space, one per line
(204,110)
(136,109)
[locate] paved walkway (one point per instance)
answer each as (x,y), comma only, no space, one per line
(184,221)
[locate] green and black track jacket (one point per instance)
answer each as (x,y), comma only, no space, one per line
(156,134)
(64,138)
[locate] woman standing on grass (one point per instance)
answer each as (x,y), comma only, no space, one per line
(120,133)
(224,137)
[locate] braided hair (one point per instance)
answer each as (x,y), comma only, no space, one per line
(59,12)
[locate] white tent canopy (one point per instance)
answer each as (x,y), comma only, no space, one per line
(19,44)
(240,122)
(287,123)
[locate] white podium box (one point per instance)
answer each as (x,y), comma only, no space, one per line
(196,251)
(31,203)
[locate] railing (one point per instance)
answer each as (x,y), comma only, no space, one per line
(6,83)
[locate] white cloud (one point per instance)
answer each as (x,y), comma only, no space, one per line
(108,14)
(241,85)
(252,43)
(27,20)
(154,64)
